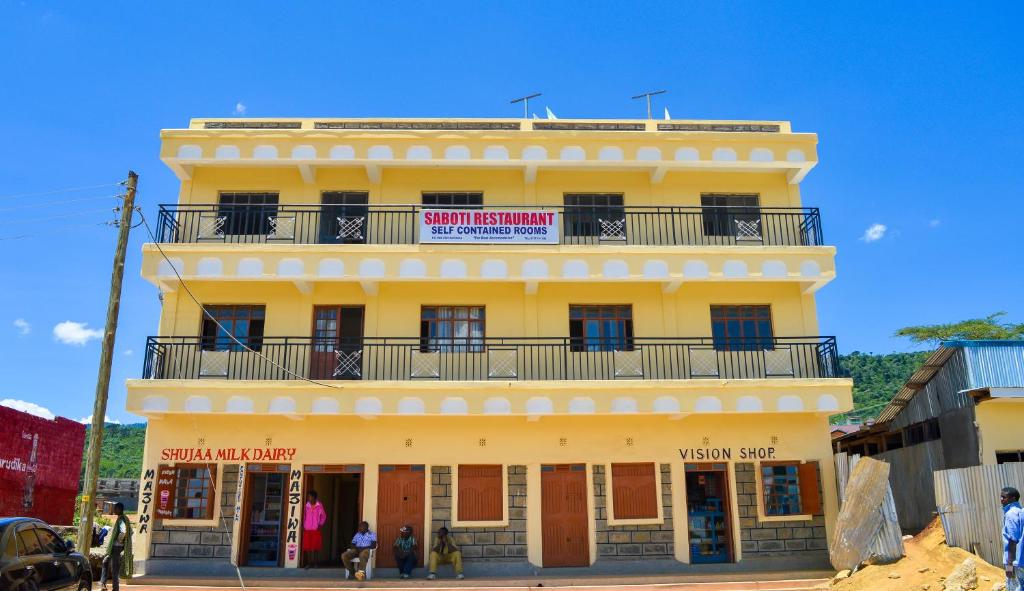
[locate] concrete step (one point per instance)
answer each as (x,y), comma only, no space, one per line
(718,582)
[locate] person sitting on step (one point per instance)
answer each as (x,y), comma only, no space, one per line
(405,551)
(445,551)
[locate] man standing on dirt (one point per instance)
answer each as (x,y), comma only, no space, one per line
(1013,530)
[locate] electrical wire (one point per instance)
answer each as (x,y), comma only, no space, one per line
(220,326)
(58,191)
(62,202)
(55,217)
(49,230)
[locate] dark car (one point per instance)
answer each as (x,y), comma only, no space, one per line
(36,559)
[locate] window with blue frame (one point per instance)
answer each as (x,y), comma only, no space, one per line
(742,328)
(781,485)
(600,328)
(243,323)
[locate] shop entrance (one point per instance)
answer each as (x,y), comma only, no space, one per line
(707,511)
(263,514)
(564,517)
(340,488)
(400,500)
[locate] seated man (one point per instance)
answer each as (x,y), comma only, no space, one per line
(405,551)
(364,541)
(444,551)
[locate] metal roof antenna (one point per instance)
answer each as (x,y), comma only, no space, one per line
(526,103)
(648,96)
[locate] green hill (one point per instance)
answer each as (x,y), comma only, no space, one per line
(121,454)
(877,377)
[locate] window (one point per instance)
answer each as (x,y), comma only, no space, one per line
(247,213)
(731,215)
(585,212)
(28,543)
(452,329)
(245,323)
(452,200)
(11,548)
(1006,457)
(741,328)
(480,493)
(49,543)
(600,328)
(185,492)
(790,488)
(894,441)
(343,217)
(634,491)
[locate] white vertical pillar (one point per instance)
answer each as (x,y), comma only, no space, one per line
(294,518)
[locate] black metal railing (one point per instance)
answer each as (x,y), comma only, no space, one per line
(399,224)
(491,358)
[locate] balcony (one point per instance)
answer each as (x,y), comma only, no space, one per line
(493,358)
(400,225)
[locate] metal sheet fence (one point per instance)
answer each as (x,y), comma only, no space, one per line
(968,504)
(399,224)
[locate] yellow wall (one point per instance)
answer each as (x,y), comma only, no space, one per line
(593,440)
(999,422)
(500,187)
(510,312)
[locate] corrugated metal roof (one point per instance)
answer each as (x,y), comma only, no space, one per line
(917,381)
(989,363)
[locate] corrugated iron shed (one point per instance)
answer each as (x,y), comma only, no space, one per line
(987,364)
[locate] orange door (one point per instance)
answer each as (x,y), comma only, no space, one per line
(566,541)
(400,501)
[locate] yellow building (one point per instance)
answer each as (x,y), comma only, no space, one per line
(587,343)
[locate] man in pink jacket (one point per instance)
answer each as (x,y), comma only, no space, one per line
(313,519)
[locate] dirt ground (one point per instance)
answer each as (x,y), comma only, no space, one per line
(927,562)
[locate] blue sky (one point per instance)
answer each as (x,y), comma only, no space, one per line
(917,107)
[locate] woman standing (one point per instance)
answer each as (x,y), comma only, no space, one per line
(313,519)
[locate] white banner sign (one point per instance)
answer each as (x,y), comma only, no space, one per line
(490,226)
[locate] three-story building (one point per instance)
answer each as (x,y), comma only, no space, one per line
(571,342)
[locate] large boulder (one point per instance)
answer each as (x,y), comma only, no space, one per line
(963,578)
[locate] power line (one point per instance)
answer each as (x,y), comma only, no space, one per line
(65,216)
(61,202)
(216,322)
(49,231)
(57,191)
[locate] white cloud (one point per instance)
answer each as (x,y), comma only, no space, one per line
(75,333)
(874,232)
(128,352)
(935,223)
(88,420)
(23,326)
(29,407)
(240,108)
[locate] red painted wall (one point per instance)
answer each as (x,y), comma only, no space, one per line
(44,486)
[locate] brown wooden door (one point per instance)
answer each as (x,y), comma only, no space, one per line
(337,343)
(564,517)
(400,500)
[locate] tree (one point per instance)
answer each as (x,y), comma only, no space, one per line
(987,328)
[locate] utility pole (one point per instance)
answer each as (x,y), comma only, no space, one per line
(99,408)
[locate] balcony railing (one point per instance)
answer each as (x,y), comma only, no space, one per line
(492,358)
(399,224)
